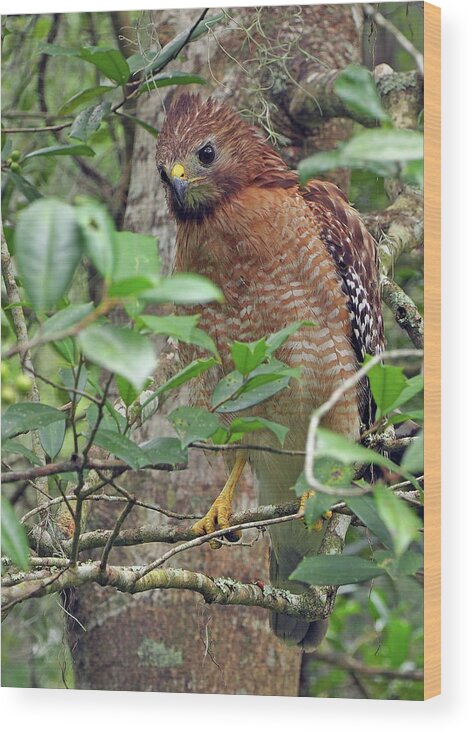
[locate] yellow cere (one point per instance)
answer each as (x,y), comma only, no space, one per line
(178,171)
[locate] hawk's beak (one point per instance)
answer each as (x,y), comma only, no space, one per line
(179,183)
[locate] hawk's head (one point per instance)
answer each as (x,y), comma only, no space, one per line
(206,153)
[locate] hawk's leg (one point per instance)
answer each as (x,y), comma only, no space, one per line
(218,517)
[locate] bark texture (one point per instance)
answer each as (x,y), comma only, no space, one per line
(168,640)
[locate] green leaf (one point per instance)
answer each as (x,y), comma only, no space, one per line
(14,539)
(27,416)
(242,425)
(24,186)
(126,390)
(53,49)
(170,79)
(385,145)
(248,356)
(163,450)
(316,506)
(109,61)
(366,509)
(400,520)
(133,286)
(61,150)
(184,289)
(83,97)
(417,415)
(378,150)
(397,641)
(356,87)
(173,48)
(136,255)
(335,570)
(265,381)
(227,387)
(276,340)
(328,471)
(48,249)
(19,449)
(62,321)
(413,173)
(120,351)
(181,327)
(52,437)
(197,367)
(410,562)
(89,120)
(98,232)
(413,459)
(413,386)
(268,372)
(149,128)
(254,396)
(386,383)
(68,378)
(340,447)
(193,423)
(122,447)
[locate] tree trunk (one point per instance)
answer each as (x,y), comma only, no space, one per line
(171,640)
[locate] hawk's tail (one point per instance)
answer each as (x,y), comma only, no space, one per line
(291,630)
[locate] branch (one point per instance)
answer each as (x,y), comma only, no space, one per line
(348,663)
(75,466)
(404,309)
(314,100)
(399,229)
(152,533)
(220,590)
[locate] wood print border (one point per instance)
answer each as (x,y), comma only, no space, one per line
(432,306)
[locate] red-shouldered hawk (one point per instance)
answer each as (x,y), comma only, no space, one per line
(280,253)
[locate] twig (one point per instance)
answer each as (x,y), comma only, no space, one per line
(371,12)
(336,395)
(116,467)
(116,530)
(78,464)
(80,482)
(253,448)
(215,535)
(61,387)
(112,499)
(103,308)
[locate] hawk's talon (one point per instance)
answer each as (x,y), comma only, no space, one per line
(219,514)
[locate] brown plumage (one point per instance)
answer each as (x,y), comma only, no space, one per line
(280,253)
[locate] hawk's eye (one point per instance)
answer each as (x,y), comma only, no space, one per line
(164,176)
(206,155)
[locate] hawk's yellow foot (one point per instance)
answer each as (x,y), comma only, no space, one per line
(219,515)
